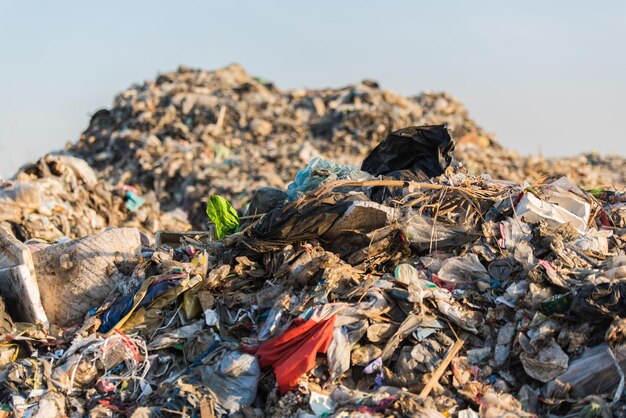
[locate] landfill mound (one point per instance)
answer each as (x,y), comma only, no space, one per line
(192,133)
(405,287)
(165,145)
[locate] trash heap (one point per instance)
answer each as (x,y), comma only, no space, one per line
(192,133)
(60,196)
(590,169)
(167,144)
(408,287)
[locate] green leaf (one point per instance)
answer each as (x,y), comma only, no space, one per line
(223,216)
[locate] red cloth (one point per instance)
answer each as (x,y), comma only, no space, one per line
(292,353)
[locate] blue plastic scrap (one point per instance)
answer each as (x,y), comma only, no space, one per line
(319,172)
(133,201)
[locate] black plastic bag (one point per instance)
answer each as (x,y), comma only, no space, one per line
(347,224)
(600,302)
(422,150)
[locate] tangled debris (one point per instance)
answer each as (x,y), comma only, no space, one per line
(413,289)
(60,196)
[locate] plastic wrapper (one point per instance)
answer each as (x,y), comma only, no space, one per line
(232,381)
(595,373)
(319,172)
(547,364)
(560,202)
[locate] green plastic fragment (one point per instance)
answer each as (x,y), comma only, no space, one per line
(223,216)
(556,304)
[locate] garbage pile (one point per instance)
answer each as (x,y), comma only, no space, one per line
(407,287)
(590,169)
(165,145)
(60,196)
(192,133)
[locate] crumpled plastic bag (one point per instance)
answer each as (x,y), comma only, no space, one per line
(166,286)
(348,224)
(601,301)
(339,353)
(299,221)
(466,319)
(499,405)
(594,373)
(595,240)
(547,364)
(293,352)
(467,268)
(223,216)
(319,172)
(561,202)
(232,381)
(51,405)
(425,235)
(419,149)
(513,231)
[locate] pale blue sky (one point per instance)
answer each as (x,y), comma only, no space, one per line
(540,75)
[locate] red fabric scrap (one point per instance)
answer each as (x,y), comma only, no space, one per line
(604,219)
(292,353)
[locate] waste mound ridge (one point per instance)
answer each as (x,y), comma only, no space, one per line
(167,144)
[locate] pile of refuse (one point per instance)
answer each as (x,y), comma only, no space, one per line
(589,169)
(151,160)
(60,196)
(406,287)
(192,133)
